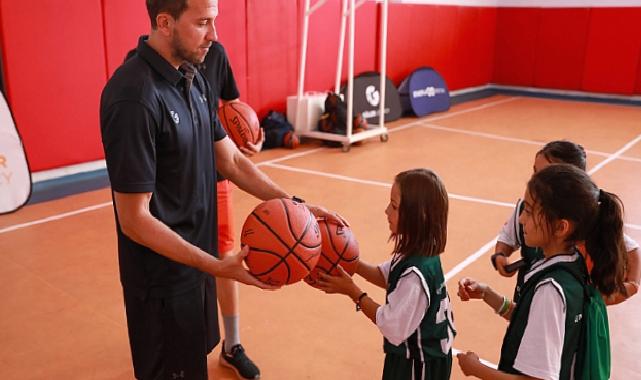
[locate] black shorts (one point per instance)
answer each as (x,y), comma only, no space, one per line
(171,336)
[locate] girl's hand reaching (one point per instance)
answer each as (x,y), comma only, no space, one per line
(469,288)
(469,363)
(341,283)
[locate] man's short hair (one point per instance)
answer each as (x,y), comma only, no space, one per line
(174,8)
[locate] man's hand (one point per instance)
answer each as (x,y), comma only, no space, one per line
(322,212)
(231,266)
(251,149)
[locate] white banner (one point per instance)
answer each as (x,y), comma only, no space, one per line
(15,179)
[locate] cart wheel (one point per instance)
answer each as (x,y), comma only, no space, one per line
(346,147)
(384,137)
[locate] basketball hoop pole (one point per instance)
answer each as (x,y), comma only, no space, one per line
(341,48)
(348,9)
(303,56)
(381,116)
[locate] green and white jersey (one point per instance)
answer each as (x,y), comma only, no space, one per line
(543,336)
(416,320)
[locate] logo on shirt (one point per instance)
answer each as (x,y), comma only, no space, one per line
(174,115)
(203,98)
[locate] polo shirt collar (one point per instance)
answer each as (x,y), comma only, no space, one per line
(157,62)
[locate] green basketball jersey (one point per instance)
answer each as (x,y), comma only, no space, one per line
(562,273)
(434,336)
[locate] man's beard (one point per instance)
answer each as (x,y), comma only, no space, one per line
(182,54)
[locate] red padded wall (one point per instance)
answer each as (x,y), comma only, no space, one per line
(457,41)
(232,33)
(54,65)
(613,50)
(124,22)
(516,33)
(560,48)
(272,38)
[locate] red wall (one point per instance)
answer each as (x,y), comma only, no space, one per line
(456,41)
(54,67)
(54,73)
(584,49)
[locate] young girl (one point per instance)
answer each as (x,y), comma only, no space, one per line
(416,319)
(562,206)
(511,235)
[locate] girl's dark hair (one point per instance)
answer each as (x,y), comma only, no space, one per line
(174,7)
(422,214)
(564,192)
(563,151)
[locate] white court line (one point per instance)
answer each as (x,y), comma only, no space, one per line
(470,259)
(614,156)
(382,184)
(493,136)
(54,217)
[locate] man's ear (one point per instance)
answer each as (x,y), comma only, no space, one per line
(165,23)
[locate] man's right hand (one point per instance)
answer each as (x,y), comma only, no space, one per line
(231,266)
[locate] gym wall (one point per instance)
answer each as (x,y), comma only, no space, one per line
(58,54)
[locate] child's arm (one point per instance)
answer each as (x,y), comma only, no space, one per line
(499,259)
(632,279)
(469,288)
(344,284)
(371,273)
(507,242)
(472,366)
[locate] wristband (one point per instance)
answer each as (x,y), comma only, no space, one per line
(493,258)
(358,301)
(298,200)
(504,307)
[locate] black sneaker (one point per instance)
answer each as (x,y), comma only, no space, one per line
(239,362)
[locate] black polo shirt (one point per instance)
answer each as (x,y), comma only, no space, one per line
(219,74)
(155,143)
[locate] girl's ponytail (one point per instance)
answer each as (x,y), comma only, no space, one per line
(565,192)
(605,245)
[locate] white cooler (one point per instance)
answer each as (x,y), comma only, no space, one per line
(312,106)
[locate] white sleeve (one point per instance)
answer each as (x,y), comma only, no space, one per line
(541,348)
(630,244)
(509,231)
(406,307)
(385,268)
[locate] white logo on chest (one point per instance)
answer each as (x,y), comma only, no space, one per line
(174,116)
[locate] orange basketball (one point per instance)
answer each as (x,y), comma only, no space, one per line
(240,121)
(339,247)
(284,241)
(290,140)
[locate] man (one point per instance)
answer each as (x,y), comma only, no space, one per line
(162,145)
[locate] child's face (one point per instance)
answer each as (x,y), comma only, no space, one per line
(534,229)
(392,208)
(540,163)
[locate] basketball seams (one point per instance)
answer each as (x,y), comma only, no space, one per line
(233,105)
(290,250)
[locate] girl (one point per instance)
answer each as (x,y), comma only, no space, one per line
(416,319)
(511,235)
(562,207)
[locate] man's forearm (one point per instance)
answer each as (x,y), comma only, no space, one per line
(249,178)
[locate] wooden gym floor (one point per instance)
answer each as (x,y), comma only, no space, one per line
(62,315)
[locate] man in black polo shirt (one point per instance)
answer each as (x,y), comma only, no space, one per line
(162,146)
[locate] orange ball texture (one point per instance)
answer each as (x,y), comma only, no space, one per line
(339,247)
(240,122)
(284,241)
